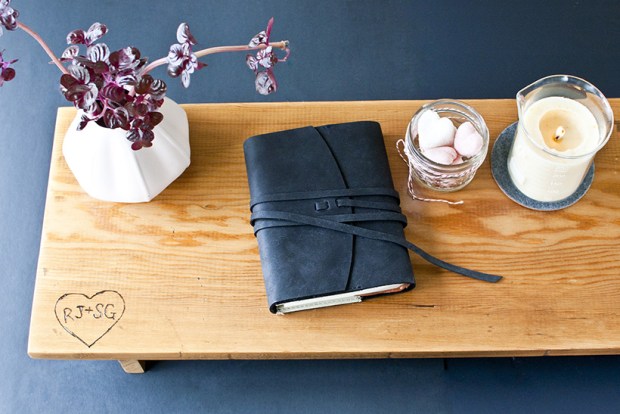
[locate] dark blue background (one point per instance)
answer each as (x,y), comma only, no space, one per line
(342,50)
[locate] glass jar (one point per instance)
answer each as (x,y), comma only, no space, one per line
(443,177)
(546,167)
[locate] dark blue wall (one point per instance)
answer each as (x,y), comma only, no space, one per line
(342,50)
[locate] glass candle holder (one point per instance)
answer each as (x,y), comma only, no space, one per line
(563,122)
(441,177)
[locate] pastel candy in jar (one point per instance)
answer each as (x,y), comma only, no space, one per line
(434,131)
(467,141)
(441,155)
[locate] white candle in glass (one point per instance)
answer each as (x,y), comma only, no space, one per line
(555,142)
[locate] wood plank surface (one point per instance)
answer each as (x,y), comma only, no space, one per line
(180,278)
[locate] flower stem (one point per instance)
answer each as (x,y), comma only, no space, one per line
(44,45)
(218,49)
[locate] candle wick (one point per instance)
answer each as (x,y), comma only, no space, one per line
(559,134)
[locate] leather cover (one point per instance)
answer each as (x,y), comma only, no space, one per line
(303,261)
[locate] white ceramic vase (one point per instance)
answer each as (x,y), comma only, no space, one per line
(106,167)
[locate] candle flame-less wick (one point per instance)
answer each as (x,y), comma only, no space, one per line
(559,134)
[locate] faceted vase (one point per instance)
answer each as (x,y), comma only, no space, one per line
(107,169)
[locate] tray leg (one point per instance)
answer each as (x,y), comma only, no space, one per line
(133,366)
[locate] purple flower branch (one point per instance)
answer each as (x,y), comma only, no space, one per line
(115,88)
(182,61)
(284,44)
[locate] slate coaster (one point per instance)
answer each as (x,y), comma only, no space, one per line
(499,169)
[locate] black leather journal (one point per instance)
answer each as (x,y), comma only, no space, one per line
(327,217)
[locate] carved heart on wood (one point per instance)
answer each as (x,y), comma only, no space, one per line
(89,318)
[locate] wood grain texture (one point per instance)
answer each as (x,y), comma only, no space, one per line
(187,268)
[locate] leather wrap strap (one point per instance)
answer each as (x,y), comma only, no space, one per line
(341,222)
